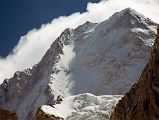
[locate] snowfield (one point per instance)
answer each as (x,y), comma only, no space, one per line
(84,106)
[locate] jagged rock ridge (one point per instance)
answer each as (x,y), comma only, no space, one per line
(7,115)
(41,115)
(110,54)
(142,101)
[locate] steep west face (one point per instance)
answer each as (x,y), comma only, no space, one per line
(142,101)
(110,54)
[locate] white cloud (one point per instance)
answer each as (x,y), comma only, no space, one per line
(32,46)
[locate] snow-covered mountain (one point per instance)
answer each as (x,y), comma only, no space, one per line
(103,58)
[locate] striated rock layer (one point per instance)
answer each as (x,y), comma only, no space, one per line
(142,101)
(7,115)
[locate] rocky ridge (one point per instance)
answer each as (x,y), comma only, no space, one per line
(41,115)
(7,115)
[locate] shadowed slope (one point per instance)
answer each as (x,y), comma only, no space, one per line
(142,101)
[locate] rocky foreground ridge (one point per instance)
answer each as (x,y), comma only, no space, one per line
(142,101)
(41,115)
(7,115)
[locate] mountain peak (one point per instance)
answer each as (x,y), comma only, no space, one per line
(131,14)
(84,26)
(129,10)
(130,18)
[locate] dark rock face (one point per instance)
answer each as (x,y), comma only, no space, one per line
(41,115)
(7,115)
(142,101)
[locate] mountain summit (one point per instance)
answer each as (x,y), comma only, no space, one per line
(104,58)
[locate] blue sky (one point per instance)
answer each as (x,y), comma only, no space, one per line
(20,16)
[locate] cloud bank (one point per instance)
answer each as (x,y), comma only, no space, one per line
(35,43)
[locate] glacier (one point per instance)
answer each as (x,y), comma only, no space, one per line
(83,107)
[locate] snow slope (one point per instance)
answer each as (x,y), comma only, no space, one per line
(103,58)
(111,55)
(83,107)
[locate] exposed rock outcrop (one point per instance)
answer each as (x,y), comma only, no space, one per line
(142,101)
(41,115)
(7,115)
